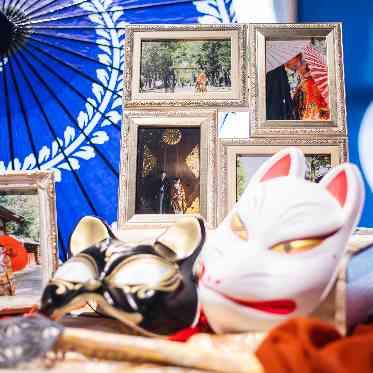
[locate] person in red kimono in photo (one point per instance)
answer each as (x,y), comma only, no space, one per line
(308,100)
(201,83)
(178,200)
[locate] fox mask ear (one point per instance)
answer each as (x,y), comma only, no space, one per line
(89,231)
(345,184)
(338,187)
(181,240)
(287,162)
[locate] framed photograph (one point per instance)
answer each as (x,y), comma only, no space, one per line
(28,238)
(239,160)
(296,80)
(167,167)
(186,65)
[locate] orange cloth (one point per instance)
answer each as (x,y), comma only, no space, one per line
(312,346)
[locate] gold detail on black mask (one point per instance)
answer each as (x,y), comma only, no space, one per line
(168,281)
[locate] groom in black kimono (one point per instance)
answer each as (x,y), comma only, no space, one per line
(279,103)
(162,196)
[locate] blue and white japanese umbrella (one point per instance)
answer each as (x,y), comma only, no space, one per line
(61,67)
(61,81)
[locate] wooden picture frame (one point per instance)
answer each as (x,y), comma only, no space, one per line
(296,80)
(230,149)
(134,83)
(205,121)
(42,256)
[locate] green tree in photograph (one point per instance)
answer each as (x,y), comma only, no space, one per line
(315,164)
(26,205)
(157,64)
(215,61)
(149,65)
(241,179)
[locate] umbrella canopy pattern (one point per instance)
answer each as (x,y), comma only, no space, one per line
(61,66)
(318,69)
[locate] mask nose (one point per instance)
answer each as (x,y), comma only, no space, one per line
(222,263)
(210,280)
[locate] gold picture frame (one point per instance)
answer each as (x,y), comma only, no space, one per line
(320,49)
(230,149)
(137,34)
(42,256)
(134,121)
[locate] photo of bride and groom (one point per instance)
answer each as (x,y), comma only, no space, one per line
(168,167)
(297,80)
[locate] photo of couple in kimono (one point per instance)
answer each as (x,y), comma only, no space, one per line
(297,80)
(167,177)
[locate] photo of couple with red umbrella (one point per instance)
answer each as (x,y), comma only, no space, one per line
(297,80)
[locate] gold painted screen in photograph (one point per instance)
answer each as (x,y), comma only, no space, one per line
(168,170)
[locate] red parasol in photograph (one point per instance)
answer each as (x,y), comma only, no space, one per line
(318,69)
(16,251)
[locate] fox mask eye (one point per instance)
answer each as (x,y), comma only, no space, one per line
(297,246)
(289,247)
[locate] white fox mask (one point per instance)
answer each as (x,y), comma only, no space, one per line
(276,253)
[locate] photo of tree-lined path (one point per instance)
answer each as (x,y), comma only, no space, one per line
(190,66)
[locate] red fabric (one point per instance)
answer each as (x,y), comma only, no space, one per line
(184,335)
(312,346)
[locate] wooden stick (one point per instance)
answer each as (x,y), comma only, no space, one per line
(111,346)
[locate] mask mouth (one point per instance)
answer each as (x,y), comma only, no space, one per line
(273,306)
